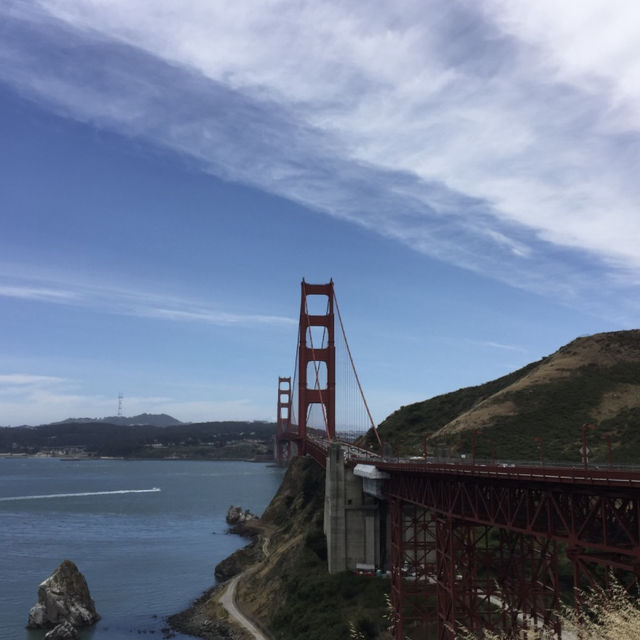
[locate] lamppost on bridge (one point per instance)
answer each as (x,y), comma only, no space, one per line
(585,456)
(540,441)
(473,445)
(607,437)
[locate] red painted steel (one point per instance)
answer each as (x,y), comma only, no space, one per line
(318,452)
(283,424)
(598,524)
(309,353)
(413,562)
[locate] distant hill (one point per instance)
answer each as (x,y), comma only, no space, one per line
(153,419)
(593,379)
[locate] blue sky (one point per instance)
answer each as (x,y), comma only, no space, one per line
(467,173)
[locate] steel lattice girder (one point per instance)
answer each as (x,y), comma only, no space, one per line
(599,524)
(499,587)
(451,572)
(413,586)
(604,520)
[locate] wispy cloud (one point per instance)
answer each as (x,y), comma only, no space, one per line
(28,380)
(498,137)
(497,345)
(109,299)
(35,398)
(32,293)
(212,317)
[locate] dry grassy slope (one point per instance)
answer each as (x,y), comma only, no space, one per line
(297,506)
(594,379)
(289,591)
(602,350)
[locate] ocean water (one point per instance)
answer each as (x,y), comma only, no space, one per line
(145,534)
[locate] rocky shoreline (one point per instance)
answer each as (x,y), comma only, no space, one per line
(205,617)
(201,619)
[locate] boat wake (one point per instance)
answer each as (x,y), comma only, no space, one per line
(77,495)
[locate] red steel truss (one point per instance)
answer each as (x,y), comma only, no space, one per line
(413,569)
(496,546)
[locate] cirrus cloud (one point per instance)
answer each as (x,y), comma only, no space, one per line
(502,138)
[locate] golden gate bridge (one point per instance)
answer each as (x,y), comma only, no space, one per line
(468,545)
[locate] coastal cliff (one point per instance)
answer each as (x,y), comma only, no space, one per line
(285,587)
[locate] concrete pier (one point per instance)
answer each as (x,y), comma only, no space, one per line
(354,521)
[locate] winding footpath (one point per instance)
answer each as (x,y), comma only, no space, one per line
(228,601)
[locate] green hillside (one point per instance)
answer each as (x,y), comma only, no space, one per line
(593,380)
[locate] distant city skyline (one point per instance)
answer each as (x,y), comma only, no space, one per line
(466,173)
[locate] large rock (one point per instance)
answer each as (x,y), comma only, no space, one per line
(63,596)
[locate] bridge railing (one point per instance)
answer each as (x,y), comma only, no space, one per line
(547,474)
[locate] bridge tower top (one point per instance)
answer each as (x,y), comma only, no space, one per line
(312,356)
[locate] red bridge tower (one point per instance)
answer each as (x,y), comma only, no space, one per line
(312,354)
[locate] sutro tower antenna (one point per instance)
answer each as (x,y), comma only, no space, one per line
(120,397)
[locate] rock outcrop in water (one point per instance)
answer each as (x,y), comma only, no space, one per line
(63,597)
(236,516)
(242,522)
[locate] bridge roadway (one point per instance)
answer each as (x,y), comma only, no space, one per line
(570,474)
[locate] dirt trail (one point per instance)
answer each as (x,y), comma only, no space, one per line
(228,598)
(228,601)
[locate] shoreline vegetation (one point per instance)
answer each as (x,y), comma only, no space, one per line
(252,441)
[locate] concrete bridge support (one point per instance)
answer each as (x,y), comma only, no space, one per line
(355,523)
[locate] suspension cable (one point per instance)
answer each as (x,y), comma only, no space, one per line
(353,366)
(292,419)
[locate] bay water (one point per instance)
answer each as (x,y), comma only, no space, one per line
(145,534)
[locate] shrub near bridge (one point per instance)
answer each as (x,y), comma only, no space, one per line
(604,615)
(320,606)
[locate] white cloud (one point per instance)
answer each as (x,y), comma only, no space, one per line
(33,293)
(213,317)
(591,44)
(502,138)
(34,399)
(497,345)
(121,301)
(25,379)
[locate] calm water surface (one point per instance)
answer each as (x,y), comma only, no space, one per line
(145,555)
